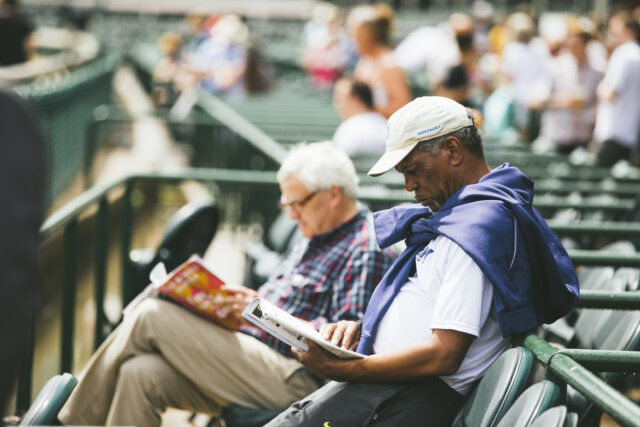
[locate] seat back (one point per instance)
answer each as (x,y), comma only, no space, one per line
(497,390)
(189,231)
(590,321)
(49,401)
(280,233)
(531,403)
(571,420)
(554,417)
(621,331)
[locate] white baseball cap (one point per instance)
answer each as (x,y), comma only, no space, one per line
(422,119)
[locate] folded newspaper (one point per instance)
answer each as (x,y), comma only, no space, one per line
(287,328)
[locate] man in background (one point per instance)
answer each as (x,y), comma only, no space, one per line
(618,116)
(22,191)
(363,130)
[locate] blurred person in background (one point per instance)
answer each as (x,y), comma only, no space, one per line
(22,190)
(570,107)
(482,14)
(324,55)
(618,117)
(370,26)
(363,130)
(16,35)
(524,61)
(435,49)
(455,86)
(168,69)
(220,61)
(440,52)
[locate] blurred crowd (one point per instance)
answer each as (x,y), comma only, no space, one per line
(561,80)
(213,52)
(558,79)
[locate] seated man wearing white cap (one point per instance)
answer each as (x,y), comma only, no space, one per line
(480,266)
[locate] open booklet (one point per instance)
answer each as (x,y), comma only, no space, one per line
(287,328)
(195,287)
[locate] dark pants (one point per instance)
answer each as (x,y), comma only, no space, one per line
(419,403)
(610,152)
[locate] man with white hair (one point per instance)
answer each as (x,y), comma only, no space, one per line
(480,266)
(165,356)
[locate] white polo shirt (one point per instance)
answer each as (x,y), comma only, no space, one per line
(362,133)
(619,119)
(449,291)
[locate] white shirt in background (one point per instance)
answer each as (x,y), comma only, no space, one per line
(619,119)
(362,133)
(449,291)
(568,80)
(433,49)
(525,64)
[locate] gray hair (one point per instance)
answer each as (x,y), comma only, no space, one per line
(469,136)
(319,166)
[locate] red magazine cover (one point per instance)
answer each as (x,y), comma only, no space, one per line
(195,287)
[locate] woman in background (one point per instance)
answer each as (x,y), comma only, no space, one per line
(370,27)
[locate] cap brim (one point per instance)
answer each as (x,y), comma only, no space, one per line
(389,160)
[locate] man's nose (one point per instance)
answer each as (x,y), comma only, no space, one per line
(409,184)
(293,213)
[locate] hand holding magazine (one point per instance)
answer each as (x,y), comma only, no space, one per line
(195,287)
(287,328)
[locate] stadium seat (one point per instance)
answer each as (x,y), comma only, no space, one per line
(554,417)
(531,403)
(497,390)
(262,258)
(188,232)
(49,401)
(620,331)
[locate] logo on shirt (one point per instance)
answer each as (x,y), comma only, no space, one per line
(423,254)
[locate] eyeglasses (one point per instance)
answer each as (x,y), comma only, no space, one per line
(297,205)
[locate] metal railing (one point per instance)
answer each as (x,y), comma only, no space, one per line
(571,367)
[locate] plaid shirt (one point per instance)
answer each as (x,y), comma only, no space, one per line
(327,278)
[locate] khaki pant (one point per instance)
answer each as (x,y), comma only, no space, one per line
(163,356)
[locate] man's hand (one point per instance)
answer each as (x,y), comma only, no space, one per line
(238,299)
(323,364)
(345,334)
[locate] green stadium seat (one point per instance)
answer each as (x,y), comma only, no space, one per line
(531,403)
(49,401)
(571,420)
(497,390)
(554,417)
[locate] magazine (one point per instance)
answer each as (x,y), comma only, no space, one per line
(194,286)
(287,328)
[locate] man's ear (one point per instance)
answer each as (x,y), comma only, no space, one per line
(454,150)
(336,195)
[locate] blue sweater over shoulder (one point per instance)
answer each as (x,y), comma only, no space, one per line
(494,222)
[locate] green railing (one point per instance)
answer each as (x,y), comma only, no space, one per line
(65,106)
(572,366)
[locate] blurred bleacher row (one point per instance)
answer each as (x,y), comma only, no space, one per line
(235,145)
